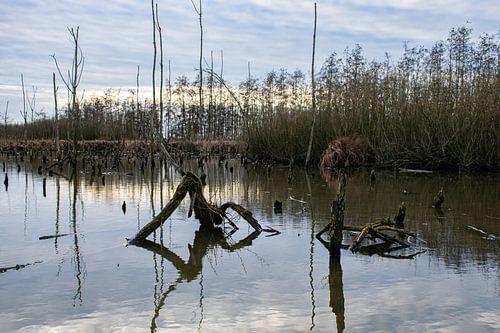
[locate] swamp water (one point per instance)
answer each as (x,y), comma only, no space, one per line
(89,281)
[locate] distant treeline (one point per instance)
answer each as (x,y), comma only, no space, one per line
(437,107)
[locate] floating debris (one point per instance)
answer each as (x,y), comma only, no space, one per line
(487,236)
(52,236)
(413,170)
(301,201)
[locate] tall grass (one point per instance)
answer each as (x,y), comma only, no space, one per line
(435,108)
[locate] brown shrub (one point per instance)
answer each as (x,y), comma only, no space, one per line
(350,151)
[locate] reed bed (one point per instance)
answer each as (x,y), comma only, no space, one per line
(432,108)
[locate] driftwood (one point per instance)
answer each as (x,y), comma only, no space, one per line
(486,235)
(17,267)
(51,236)
(374,231)
(209,215)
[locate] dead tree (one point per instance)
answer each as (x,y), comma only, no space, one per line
(313,91)
(160,38)
(336,226)
(137,105)
(198,11)
(153,108)
(24,112)
(56,113)
(6,118)
(72,81)
(209,215)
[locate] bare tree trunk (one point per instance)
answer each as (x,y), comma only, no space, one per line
(56,114)
(25,115)
(169,97)
(5,119)
(313,90)
(153,108)
(200,88)
(219,113)
(71,83)
(201,59)
(161,73)
(211,122)
(137,109)
(73,100)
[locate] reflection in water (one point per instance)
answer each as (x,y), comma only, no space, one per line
(311,254)
(25,201)
(337,291)
(336,287)
(457,255)
(77,259)
(205,239)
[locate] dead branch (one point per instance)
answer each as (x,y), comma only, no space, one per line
(208,214)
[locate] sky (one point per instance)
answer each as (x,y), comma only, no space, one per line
(116,37)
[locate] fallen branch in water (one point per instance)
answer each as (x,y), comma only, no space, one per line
(17,267)
(378,231)
(487,236)
(301,201)
(51,236)
(209,215)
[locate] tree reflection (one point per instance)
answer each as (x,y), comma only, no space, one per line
(337,291)
(336,287)
(205,239)
(77,259)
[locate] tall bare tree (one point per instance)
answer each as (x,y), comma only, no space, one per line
(169,112)
(137,106)
(72,81)
(32,103)
(153,108)
(24,112)
(313,90)
(56,112)
(6,118)
(160,38)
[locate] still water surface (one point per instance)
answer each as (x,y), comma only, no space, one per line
(89,281)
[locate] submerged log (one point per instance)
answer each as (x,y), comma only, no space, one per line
(51,236)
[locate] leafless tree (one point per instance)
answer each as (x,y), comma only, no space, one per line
(6,118)
(56,112)
(72,81)
(24,112)
(32,103)
(313,90)
(160,37)
(198,11)
(153,108)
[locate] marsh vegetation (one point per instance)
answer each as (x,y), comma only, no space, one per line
(434,108)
